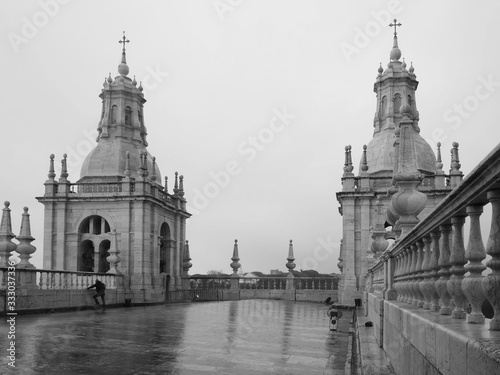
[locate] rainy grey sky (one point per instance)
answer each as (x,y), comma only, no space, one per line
(253,101)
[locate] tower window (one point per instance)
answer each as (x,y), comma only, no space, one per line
(397,103)
(114,114)
(383,107)
(128,116)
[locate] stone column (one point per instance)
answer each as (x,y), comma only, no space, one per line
(390,293)
(425,272)
(434,268)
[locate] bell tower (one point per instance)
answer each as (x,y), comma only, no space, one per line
(395,148)
(118,217)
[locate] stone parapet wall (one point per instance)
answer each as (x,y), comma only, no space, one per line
(41,300)
(419,342)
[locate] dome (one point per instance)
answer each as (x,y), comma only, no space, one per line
(381,156)
(107,161)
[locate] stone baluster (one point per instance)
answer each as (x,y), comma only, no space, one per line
(457,260)
(419,297)
(491,283)
(475,253)
(409,276)
(434,266)
(401,264)
(6,236)
(444,271)
(425,272)
(414,275)
(397,276)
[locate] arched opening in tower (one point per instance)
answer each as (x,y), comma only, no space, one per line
(86,256)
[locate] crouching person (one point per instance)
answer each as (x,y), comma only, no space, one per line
(100,292)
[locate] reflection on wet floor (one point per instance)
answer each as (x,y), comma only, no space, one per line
(231,337)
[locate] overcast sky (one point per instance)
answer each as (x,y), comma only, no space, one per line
(257,96)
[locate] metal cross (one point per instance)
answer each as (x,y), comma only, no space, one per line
(395,25)
(124,40)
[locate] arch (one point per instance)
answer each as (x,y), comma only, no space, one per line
(86,252)
(397,103)
(114,114)
(164,248)
(128,115)
(139,114)
(94,243)
(94,224)
(103,264)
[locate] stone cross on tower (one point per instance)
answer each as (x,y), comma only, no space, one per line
(123,41)
(395,24)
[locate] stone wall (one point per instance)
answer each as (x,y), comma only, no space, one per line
(418,341)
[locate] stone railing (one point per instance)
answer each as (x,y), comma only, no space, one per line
(432,268)
(47,279)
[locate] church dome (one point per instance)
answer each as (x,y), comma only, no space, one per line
(107,161)
(381,155)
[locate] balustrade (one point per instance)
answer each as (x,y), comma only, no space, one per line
(432,269)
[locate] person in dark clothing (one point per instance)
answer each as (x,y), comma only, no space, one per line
(100,289)
(334,314)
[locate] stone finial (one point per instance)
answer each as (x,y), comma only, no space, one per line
(127,171)
(113,257)
(186,258)
(290,264)
(439,162)
(364,162)
(52,173)
(235,264)
(380,70)
(166,184)
(25,248)
(64,169)
(181,186)
(176,183)
(407,202)
(348,168)
(456,174)
(340,264)
(153,172)
(6,236)
(455,161)
(110,80)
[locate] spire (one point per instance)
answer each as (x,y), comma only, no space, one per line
(6,236)
(166,184)
(52,173)
(235,264)
(181,186)
(456,174)
(364,163)
(64,169)
(395,52)
(123,67)
(290,264)
(153,171)
(25,248)
(348,168)
(176,184)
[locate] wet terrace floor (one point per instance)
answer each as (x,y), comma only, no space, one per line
(231,337)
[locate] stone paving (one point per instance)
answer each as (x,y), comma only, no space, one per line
(231,337)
